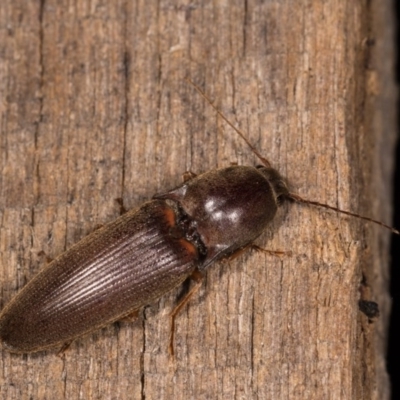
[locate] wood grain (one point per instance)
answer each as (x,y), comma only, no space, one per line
(94,106)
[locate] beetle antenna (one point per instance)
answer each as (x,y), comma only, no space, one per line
(237,130)
(299,199)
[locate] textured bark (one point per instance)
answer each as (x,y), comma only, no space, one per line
(94,106)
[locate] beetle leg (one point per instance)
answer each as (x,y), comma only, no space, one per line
(197,276)
(239,252)
(64,348)
(236,254)
(277,253)
(188,175)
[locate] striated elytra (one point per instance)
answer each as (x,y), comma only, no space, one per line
(142,255)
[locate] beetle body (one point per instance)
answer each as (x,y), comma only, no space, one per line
(142,255)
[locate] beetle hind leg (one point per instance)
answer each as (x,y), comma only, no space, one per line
(197,276)
(63,349)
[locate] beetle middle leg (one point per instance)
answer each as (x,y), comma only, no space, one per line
(239,252)
(197,276)
(278,253)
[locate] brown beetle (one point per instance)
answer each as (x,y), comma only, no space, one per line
(145,253)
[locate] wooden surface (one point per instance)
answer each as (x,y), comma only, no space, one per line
(94,106)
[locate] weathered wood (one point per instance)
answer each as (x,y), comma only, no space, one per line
(94,106)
